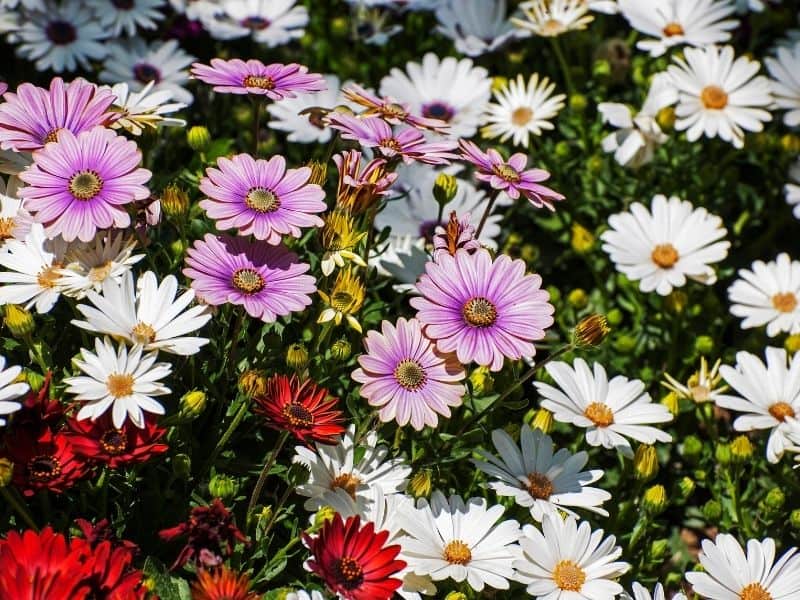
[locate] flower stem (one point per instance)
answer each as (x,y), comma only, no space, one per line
(562,61)
(257,129)
(237,419)
(489,206)
(262,478)
(18,506)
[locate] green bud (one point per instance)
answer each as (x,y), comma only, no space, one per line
(562,149)
(692,448)
(296,356)
(199,138)
(658,549)
(703,344)
(723,455)
(741,449)
(341,350)
(456,596)
(222,486)
(541,419)
(655,500)
(18,320)
(712,511)
(529,253)
(601,68)
(174,201)
(775,499)
(595,164)
(482,381)
(578,298)
(6,472)
(685,488)
(445,188)
(794,518)
(792,343)
(582,240)
(420,483)
(323,515)
(625,344)
(35,380)
(339,26)
(614,317)
(177,248)
(700,475)
(645,462)
(181,466)
(578,102)
(555,293)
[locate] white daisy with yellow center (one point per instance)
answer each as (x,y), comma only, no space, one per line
(702,386)
(551,18)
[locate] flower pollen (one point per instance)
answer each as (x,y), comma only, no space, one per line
(665,256)
(521,116)
(248,281)
(143,333)
(44,467)
(85,185)
(457,553)
(114,442)
(506,172)
(262,200)
(350,573)
(569,576)
(782,410)
(479,312)
(714,97)
(539,486)
(120,385)
(410,374)
(48,277)
(260,82)
(297,415)
(599,414)
(784,302)
(346,481)
(754,591)
(673,28)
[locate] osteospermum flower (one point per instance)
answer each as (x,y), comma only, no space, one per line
(484,310)
(267,280)
(294,114)
(361,186)
(756,575)
(126,16)
(33,116)
(719,96)
(100,441)
(456,234)
(567,561)
(339,237)
(221,583)
(9,390)
(785,71)
(390,109)
(82,184)
(354,561)
(269,22)
(792,189)
(551,18)
(642,593)
(15,221)
(261,197)
(703,385)
(510,176)
(137,111)
(453,539)
(609,410)
(344,300)
(275,81)
(476,26)
(522,110)
(665,245)
(537,478)
(404,375)
(122,381)
(768,294)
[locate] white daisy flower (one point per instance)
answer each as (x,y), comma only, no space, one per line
(10,390)
(61,37)
(137,63)
(792,190)
(476,26)
(703,385)
(719,96)
(87,265)
(522,110)
(785,71)
(769,395)
(403,258)
(567,561)
(15,221)
(611,411)
(451,539)
(551,18)
(663,246)
(730,573)
(607,7)
(537,478)
(148,314)
(122,381)
(639,134)
(269,22)
(303,128)
(32,274)
(125,16)
(334,467)
(642,593)
(769,294)
(145,108)
(678,22)
(448,89)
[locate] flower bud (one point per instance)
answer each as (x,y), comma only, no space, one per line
(456,596)
(199,138)
(34,380)
(658,549)
(672,402)
(445,188)
(791,143)
(625,344)
(591,331)
(578,102)
(578,298)
(341,350)
(499,82)
(265,515)
(692,448)
(676,302)
(297,356)
(174,201)
(722,454)
(543,421)
(6,472)
(319,172)
(177,248)
(704,344)
(655,500)
(192,404)
(323,515)
(685,488)
(645,462)
(601,68)
(529,253)
(181,466)
(420,484)
(19,320)
(794,518)
(712,511)
(562,149)
(792,343)
(614,317)
(582,240)
(482,381)
(222,486)
(774,500)
(595,164)
(253,383)
(741,449)
(666,118)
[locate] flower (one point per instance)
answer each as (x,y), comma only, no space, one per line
(275,81)
(81,184)
(334,467)
(476,26)
(703,386)
(566,560)
(768,294)
(447,89)
(267,280)
(729,572)
(389,109)
(110,573)
(101,441)
(269,22)
(675,22)
(522,110)
(360,186)
(146,314)
(144,109)
(769,395)
(458,233)
(404,375)
(10,390)
(304,595)
(222,584)
(485,310)
(641,593)
(126,16)
(305,410)
(123,381)
(339,238)
(608,409)
(211,532)
(15,221)
(408,144)
(261,197)
(137,63)
(551,18)
(719,96)
(61,37)
(792,190)
(354,561)
(785,71)
(33,116)
(293,114)
(450,538)
(663,246)
(538,479)
(510,176)
(345,299)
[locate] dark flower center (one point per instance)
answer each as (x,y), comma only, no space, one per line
(260,82)
(298,415)
(85,185)
(255,23)
(61,33)
(438,110)
(44,467)
(539,486)
(479,312)
(123,4)
(346,481)
(114,442)
(350,573)
(248,281)
(410,374)
(262,200)
(145,73)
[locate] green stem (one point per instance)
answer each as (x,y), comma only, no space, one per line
(486,213)
(237,419)
(257,129)
(262,478)
(21,509)
(237,327)
(277,510)
(562,61)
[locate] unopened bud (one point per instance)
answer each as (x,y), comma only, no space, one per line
(445,188)
(704,344)
(645,462)
(19,320)
(774,500)
(319,172)
(686,487)
(193,404)
(323,515)
(6,472)
(199,138)
(692,448)
(499,82)
(676,302)
(253,383)
(591,331)
(722,454)
(181,466)
(794,518)
(341,350)
(658,549)
(792,343)
(482,381)
(655,499)
(578,298)
(297,357)
(578,102)
(543,421)
(420,484)
(666,118)
(582,239)
(456,596)
(222,486)
(34,380)
(712,511)
(672,402)
(174,201)
(741,449)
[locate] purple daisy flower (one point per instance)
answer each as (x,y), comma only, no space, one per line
(33,116)
(390,110)
(404,374)
(82,183)
(510,176)
(276,81)
(455,234)
(481,309)
(267,280)
(374,132)
(261,197)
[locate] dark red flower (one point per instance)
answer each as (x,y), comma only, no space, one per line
(353,560)
(110,572)
(39,411)
(305,410)
(222,584)
(211,532)
(95,533)
(102,442)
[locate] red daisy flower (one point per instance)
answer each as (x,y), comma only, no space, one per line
(111,574)
(353,560)
(100,441)
(304,409)
(95,533)
(222,584)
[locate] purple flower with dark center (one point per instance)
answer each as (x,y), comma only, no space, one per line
(267,280)
(82,183)
(511,176)
(276,81)
(410,144)
(392,111)
(482,310)
(33,116)
(261,197)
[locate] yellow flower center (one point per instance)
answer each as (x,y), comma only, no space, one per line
(143,333)
(521,116)
(257,81)
(673,28)
(700,393)
(785,302)
(52,136)
(539,486)
(714,97)
(348,482)
(297,415)
(665,256)
(479,312)
(350,572)
(392,144)
(457,553)
(248,281)
(85,185)
(569,576)
(506,172)
(553,27)
(394,111)
(410,374)
(599,414)
(48,277)
(99,273)
(754,591)
(120,385)
(7,225)
(781,410)
(262,200)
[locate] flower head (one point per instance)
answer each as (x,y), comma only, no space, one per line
(456,234)
(551,18)
(702,386)
(116,447)
(345,299)
(360,186)
(275,81)
(476,27)
(339,238)
(137,111)
(390,110)
(222,584)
